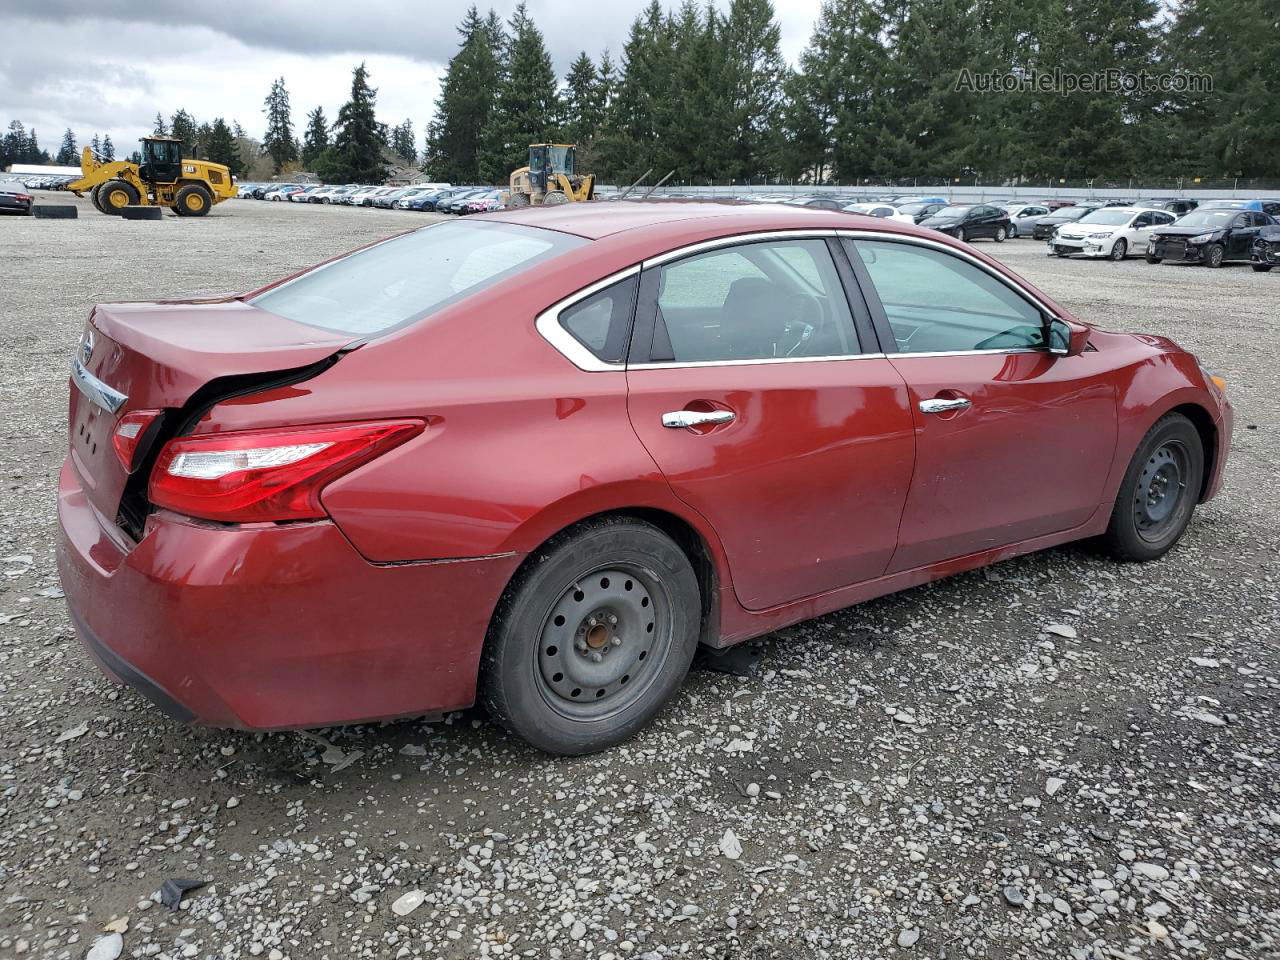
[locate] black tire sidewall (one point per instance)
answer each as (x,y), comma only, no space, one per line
(187,191)
(1209,260)
(1119,245)
(1122,534)
(509,686)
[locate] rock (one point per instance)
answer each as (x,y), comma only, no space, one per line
(1205,662)
(172,890)
(118,925)
(1157,909)
(1061,630)
(753,790)
(1053,785)
(730,845)
(73,733)
(407,903)
(1013,896)
(739,746)
(908,937)
(902,716)
(577,931)
(106,948)
(1210,718)
(1152,871)
(233,802)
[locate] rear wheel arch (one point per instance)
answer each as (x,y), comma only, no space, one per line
(691,541)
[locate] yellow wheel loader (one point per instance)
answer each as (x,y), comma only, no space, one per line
(165,179)
(549,178)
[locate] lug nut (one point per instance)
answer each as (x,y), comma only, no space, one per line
(581,645)
(596,658)
(613,618)
(617,641)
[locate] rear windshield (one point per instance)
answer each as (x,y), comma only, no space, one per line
(408,277)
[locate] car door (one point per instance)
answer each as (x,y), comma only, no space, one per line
(1012,441)
(978,222)
(765,401)
(1240,237)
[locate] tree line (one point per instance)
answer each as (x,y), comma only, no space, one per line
(876,93)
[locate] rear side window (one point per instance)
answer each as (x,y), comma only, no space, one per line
(602,321)
(408,277)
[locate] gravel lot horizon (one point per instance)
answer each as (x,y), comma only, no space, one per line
(1058,757)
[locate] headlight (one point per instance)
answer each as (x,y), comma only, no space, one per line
(1203,238)
(1100,236)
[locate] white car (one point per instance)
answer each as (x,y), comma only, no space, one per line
(1112,232)
(882,210)
(1023,218)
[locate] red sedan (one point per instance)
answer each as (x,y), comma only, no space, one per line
(535,458)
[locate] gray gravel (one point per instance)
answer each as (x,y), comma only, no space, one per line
(1057,757)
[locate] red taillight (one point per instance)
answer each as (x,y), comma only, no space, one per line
(23,196)
(129,430)
(256,475)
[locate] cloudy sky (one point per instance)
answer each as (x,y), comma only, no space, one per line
(107,66)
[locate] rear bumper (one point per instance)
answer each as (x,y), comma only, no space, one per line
(269,626)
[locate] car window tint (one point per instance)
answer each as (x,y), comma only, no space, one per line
(756,301)
(602,321)
(936,302)
(410,276)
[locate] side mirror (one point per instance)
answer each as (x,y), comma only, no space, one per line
(1066,338)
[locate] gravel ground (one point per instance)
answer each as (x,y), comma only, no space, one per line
(1057,757)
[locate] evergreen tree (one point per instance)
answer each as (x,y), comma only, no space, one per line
(403,142)
(1233,130)
(108,148)
(160,130)
(526,103)
(316,140)
(220,147)
(466,101)
(632,142)
(96,145)
(67,153)
(356,154)
(278,142)
(583,111)
(182,126)
(748,94)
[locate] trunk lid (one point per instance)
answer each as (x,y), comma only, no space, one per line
(164,356)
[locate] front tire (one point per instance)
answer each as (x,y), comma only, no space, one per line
(1214,254)
(115,195)
(1120,250)
(553,198)
(962,235)
(1013,231)
(1159,492)
(592,638)
(1153,259)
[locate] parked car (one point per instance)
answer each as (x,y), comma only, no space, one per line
(1270,207)
(388,200)
(1266,249)
(282,192)
(1023,217)
(1058,204)
(970,221)
(1175,206)
(921,210)
(819,202)
(1045,226)
(1111,232)
(292,533)
(452,203)
(425,201)
(1210,235)
(882,210)
(306,193)
(411,194)
(486,202)
(14,197)
(245,191)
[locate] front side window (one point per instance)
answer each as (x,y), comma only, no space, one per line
(754,301)
(403,279)
(936,302)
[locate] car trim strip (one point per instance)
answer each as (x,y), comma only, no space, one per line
(548,321)
(99,393)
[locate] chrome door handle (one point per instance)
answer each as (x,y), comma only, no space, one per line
(678,419)
(939,405)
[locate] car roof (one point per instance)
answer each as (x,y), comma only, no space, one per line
(595,221)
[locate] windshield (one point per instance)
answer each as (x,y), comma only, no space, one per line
(913,208)
(1206,218)
(953,211)
(410,276)
(1073,213)
(1112,216)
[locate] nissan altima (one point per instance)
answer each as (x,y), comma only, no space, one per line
(535,458)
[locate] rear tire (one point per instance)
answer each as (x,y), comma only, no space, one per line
(592,637)
(1159,492)
(115,195)
(518,200)
(1000,234)
(192,200)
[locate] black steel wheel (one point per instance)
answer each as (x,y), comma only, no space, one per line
(1159,492)
(593,637)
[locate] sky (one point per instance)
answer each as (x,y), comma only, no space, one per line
(108,66)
